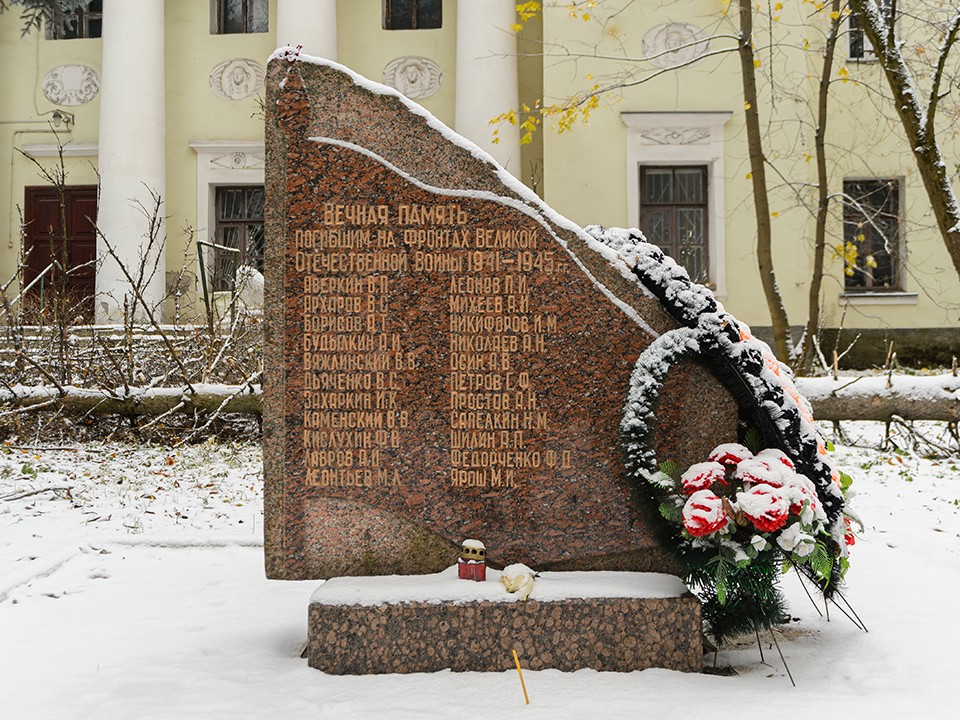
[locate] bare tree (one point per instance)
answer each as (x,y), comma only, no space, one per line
(916,109)
(757,89)
(187,376)
(805,355)
(758,179)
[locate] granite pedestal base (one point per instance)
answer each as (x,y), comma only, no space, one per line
(400,635)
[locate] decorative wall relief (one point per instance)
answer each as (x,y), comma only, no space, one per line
(672,44)
(676,136)
(239,161)
(237,79)
(71,85)
(414,76)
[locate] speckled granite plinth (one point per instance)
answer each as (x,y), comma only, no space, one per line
(618,634)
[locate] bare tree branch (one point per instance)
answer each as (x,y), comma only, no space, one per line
(935,95)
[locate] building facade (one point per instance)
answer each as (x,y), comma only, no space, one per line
(154,110)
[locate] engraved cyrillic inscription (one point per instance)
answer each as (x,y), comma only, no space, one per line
(356,366)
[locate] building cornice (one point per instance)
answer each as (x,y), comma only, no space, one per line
(53,150)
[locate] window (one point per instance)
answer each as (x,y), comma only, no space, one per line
(85,22)
(871,235)
(412,14)
(239,233)
(673,214)
(686,141)
(241,16)
(860,47)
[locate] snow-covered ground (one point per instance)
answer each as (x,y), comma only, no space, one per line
(139,593)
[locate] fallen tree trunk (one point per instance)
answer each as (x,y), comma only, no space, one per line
(909,397)
(933,397)
(134,400)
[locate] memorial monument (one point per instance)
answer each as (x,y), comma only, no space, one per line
(446,356)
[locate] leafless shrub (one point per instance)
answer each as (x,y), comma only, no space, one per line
(48,340)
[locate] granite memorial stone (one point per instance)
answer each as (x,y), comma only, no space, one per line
(445,357)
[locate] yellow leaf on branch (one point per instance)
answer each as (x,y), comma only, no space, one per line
(527,10)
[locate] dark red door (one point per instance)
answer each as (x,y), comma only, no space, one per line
(66,256)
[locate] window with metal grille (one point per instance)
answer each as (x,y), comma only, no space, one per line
(673,214)
(239,233)
(871,235)
(859,47)
(412,14)
(85,22)
(242,16)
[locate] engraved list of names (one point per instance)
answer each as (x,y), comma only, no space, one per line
(363,366)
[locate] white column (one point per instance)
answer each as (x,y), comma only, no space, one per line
(132,161)
(487,76)
(311,23)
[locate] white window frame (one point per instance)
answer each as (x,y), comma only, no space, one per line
(683,138)
(222,162)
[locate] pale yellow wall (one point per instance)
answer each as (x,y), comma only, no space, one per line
(366,48)
(586,174)
(865,122)
(586,167)
(24,120)
(584,170)
(194,112)
(530,70)
(865,139)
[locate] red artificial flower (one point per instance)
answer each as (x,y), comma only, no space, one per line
(848,537)
(756,470)
(764,506)
(702,475)
(801,492)
(730,454)
(771,454)
(704,514)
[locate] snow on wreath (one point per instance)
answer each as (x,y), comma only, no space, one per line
(748,512)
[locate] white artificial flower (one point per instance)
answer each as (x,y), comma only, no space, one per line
(794,540)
